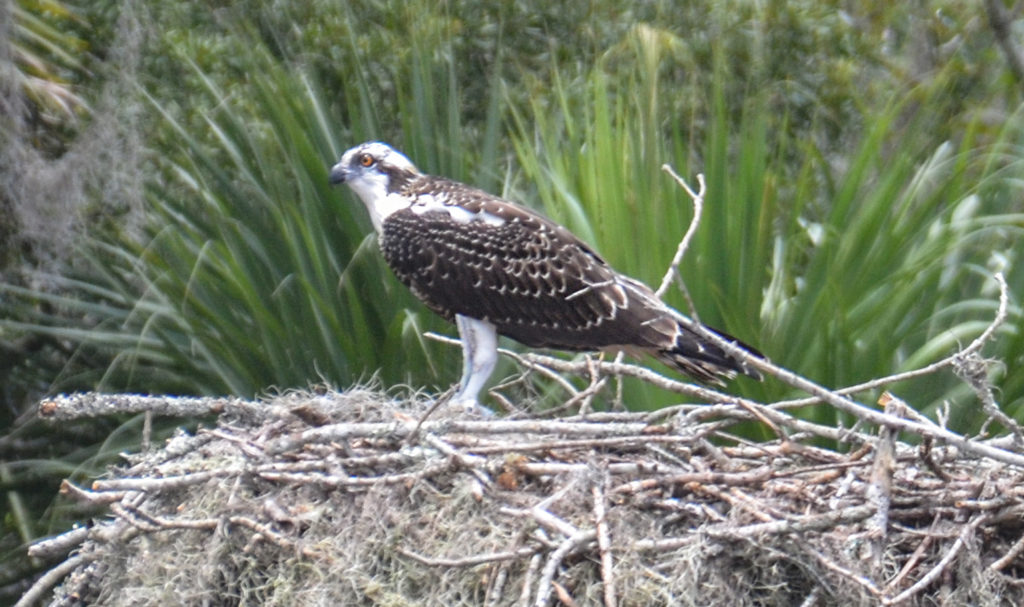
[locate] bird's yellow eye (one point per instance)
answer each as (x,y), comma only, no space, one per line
(366,160)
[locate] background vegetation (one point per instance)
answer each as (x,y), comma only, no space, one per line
(165,223)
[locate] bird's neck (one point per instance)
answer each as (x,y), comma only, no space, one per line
(379,201)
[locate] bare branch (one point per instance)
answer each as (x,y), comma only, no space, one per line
(698,208)
(966,533)
(50,579)
(604,543)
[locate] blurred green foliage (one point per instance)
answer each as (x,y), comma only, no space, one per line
(863,168)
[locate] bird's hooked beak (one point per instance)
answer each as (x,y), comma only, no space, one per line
(337,175)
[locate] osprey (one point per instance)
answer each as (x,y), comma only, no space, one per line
(498,268)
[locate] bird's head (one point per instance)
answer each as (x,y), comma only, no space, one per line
(376,172)
(373,170)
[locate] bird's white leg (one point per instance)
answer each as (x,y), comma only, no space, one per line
(479,355)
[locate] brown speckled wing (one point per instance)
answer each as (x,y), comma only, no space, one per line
(464,251)
(531,278)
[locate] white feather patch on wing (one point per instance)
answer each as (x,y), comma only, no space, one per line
(426,203)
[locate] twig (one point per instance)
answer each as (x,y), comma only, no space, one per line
(973,370)
(399,430)
(531,572)
(59,545)
(751,477)
(1011,555)
(550,468)
(728,531)
(879,490)
(169,483)
(941,566)
(497,587)
(587,395)
(473,463)
(615,442)
(915,558)
(96,404)
(949,361)
(547,574)
(604,543)
(545,518)
(563,595)
(850,575)
(468,561)
(860,411)
(51,578)
(643,373)
(274,537)
(812,597)
(698,207)
(90,497)
(519,359)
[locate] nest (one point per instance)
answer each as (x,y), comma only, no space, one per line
(355,499)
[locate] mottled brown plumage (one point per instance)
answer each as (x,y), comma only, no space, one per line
(533,279)
(467,253)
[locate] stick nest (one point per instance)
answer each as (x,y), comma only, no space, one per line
(349,499)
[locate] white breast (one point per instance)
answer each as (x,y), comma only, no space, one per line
(372,189)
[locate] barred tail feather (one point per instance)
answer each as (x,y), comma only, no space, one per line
(705,361)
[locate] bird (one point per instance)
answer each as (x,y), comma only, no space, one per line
(495,267)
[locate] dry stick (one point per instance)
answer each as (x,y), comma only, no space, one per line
(95,404)
(473,463)
(879,490)
(547,576)
(698,207)
(869,585)
(642,373)
(543,517)
(751,477)
(274,537)
(167,483)
(619,442)
(563,595)
(568,387)
(729,531)
(400,429)
(949,361)
(915,558)
(812,597)
(968,530)
(858,410)
(552,468)
(972,369)
(90,497)
(617,404)
(604,542)
(58,545)
(497,587)
(531,572)
(770,417)
(735,503)
(1011,554)
(847,405)
(469,561)
(596,384)
(51,578)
